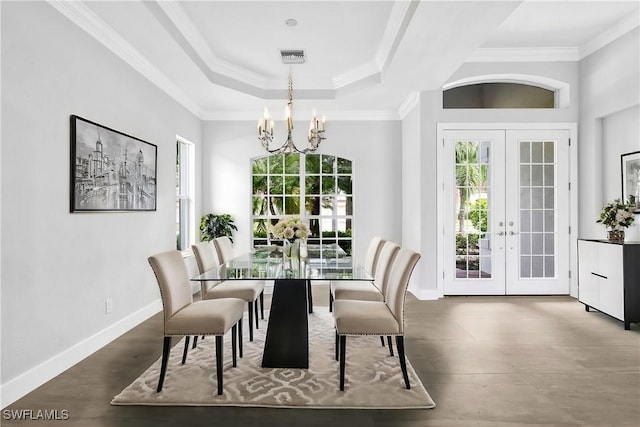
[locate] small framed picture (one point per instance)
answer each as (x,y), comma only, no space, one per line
(631,177)
(110,171)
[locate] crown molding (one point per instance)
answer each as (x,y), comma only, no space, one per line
(176,15)
(332,116)
(557,54)
(88,21)
(529,54)
(408,104)
(620,29)
(401,15)
(371,71)
(353,76)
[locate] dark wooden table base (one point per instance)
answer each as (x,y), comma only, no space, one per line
(287,341)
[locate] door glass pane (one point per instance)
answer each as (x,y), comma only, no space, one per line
(549,266)
(525,220)
(536,198)
(536,221)
(525,154)
(549,221)
(549,152)
(525,243)
(537,266)
(473,210)
(525,174)
(537,203)
(525,266)
(549,244)
(536,175)
(525,198)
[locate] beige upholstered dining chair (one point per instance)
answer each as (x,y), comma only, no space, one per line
(376,317)
(247,290)
(359,290)
(375,290)
(225,253)
(183,317)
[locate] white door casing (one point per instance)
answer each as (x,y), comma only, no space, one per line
(525,246)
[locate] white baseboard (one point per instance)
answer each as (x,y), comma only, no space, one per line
(23,384)
(425,294)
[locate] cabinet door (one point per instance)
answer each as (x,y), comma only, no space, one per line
(611,288)
(588,284)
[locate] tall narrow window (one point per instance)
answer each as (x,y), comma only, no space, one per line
(185,220)
(317,187)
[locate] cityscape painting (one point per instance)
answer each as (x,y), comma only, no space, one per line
(110,171)
(631,177)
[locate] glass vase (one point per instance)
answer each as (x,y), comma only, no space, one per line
(615,235)
(291,249)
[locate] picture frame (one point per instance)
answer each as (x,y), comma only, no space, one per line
(630,166)
(110,170)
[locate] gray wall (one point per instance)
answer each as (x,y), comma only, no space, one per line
(412,183)
(431,113)
(375,147)
(59,268)
(609,97)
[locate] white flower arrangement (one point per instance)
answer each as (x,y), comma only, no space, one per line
(618,215)
(290,228)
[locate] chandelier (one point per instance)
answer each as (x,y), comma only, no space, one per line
(315,135)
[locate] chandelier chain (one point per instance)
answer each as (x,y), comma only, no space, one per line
(266,124)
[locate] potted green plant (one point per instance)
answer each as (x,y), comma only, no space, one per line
(212,226)
(617,216)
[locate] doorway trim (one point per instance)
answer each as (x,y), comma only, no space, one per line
(571,127)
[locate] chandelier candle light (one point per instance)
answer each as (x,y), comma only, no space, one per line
(315,135)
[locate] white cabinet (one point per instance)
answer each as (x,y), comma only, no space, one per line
(609,278)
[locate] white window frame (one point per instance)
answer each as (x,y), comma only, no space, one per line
(334,217)
(185,194)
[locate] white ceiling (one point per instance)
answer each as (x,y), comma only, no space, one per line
(221,59)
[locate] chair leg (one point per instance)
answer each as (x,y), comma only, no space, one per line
(330,300)
(403,362)
(250,310)
(240,337)
(234,344)
(219,362)
(166,348)
(343,351)
(390,345)
(262,304)
(309,297)
(186,348)
(337,346)
(255,307)
(382,340)
(195,342)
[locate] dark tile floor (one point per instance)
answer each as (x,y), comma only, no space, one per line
(486,361)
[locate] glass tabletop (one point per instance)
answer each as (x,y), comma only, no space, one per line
(322,263)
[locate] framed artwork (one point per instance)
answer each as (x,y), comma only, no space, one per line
(110,171)
(631,177)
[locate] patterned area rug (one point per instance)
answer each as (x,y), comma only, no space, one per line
(373,377)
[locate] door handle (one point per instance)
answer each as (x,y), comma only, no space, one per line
(512,233)
(500,233)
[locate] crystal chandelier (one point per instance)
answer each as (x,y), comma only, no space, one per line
(315,135)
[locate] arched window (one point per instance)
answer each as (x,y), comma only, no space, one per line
(316,187)
(506,91)
(498,95)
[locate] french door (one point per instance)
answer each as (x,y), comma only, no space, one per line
(506,215)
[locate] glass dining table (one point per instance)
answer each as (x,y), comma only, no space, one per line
(287,339)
